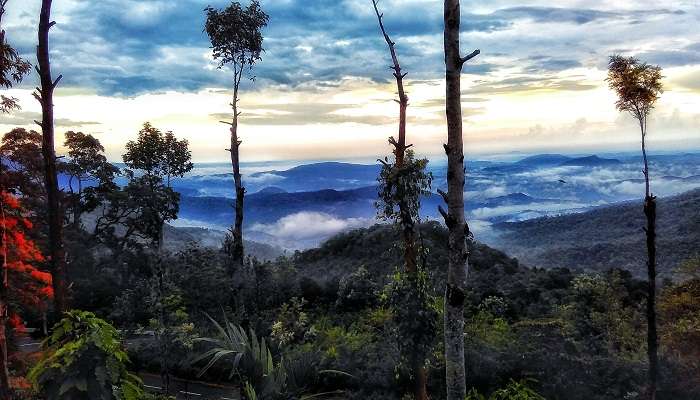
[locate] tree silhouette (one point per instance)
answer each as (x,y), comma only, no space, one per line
(44,94)
(91,176)
(454,216)
(236,39)
(638,87)
(160,156)
(12,67)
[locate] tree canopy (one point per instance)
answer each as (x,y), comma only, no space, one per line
(637,85)
(235,33)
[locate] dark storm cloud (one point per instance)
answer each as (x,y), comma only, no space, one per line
(128,47)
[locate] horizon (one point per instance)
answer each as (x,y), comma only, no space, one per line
(324,91)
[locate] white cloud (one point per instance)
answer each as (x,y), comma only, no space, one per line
(307,225)
(264,178)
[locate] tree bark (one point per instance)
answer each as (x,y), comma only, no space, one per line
(4,371)
(454,217)
(4,313)
(650,230)
(237,250)
(57,259)
(420,377)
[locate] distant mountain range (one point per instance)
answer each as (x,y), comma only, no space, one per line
(607,237)
(552,160)
(330,197)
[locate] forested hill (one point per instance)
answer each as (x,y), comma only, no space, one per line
(608,237)
(491,272)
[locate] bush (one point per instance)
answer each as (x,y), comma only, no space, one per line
(84,358)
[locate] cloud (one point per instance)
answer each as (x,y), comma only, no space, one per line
(526,211)
(263,178)
(308,225)
(24,118)
(127,47)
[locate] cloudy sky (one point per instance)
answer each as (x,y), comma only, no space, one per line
(323,90)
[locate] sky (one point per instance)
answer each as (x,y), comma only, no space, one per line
(323,89)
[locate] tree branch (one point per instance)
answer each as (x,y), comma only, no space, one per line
(443,195)
(469,57)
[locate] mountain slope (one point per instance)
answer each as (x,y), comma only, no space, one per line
(590,161)
(607,237)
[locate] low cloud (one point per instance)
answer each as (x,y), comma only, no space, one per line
(25,118)
(263,178)
(308,225)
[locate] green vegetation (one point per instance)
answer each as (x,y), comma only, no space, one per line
(84,358)
(356,318)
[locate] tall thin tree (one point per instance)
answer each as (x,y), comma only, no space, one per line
(454,216)
(402,185)
(638,87)
(236,38)
(44,94)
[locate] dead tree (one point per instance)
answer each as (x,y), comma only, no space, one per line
(405,215)
(454,216)
(44,94)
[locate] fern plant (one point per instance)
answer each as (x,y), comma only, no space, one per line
(84,359)
(515,390)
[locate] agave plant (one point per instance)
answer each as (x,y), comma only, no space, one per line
(250,359)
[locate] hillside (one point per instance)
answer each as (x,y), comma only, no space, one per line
(492,272)
(177,238)
(607,237)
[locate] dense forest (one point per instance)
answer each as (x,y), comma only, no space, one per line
(126,306)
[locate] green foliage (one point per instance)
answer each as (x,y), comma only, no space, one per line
(148,201)
(235,34)
(91,176)
(174,333)
(84,359)
(414,315)
(13,68)
(292,324)
(600,309)
(23,165)
(485,328)
(679,328)
(513,391)
(250,358)
(136,214)
(158,154)
(400,187)
(357,290)
(637,85)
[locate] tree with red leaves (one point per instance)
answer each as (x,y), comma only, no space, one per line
(22,284)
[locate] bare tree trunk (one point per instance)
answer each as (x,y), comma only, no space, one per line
(237,249)
(454,216)
(4,372)
(45,96)
(420,377)
(77,209)
(4,312)
(650,230)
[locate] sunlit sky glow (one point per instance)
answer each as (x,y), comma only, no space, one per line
(323,89)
